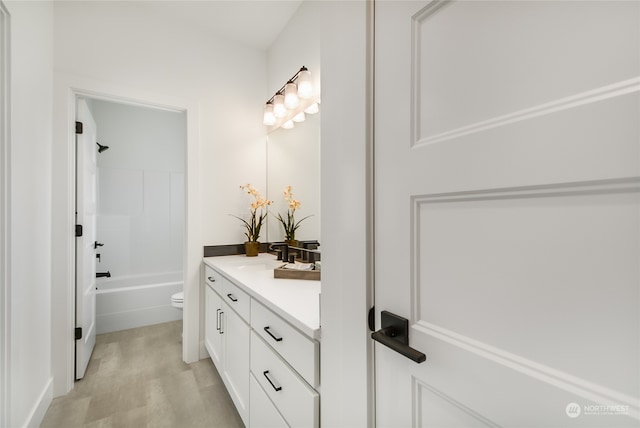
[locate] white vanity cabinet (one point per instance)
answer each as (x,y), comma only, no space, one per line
(291,395)
(269,354)
(227,336)
(236,332)
(298,350)
(262,409)
(213,330)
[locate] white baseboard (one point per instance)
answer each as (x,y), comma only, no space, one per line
(117,321)
(40,407)
(203,351)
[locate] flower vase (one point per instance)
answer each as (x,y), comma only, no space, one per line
(251,248)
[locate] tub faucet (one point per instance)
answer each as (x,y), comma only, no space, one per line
(103,274)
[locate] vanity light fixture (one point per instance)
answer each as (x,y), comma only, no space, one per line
(313,108)
(290,103)
(269,116)
(299,117)
(291,99)
(279,110)
(288,124)
(305,87)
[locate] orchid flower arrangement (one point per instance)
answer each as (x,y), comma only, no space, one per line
(290,225)
(256,220)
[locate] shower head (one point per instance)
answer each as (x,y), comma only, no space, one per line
(101,148)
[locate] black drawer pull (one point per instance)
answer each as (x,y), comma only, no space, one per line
(277,339)
(232,297)
(277,388)
(212,279)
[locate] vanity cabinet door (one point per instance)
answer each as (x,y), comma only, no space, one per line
(263,413)
(236,360)
(214,280)
(237,299)
(297,349)
(297,402)
(213,325)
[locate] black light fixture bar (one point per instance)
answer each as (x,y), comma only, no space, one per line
(292,80)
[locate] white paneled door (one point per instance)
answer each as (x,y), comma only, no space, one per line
(86,205)
(507,174)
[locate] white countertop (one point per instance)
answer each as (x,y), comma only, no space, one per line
(295,300)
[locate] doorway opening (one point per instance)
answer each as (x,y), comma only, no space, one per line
(137,246)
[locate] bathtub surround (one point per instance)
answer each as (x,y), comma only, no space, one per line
(141,207)
(140,189)
(135,301)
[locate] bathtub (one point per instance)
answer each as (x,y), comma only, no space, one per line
(135,301)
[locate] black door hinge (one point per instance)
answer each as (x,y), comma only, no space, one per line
(78,230)
(372,318)
(78,127)
(78,333)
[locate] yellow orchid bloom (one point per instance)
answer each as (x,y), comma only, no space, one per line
(256,221)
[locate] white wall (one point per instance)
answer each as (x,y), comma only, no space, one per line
(298,44)
(31,147)
(119,48)
(294,154)
(140,188)
(123,44)
(332,36)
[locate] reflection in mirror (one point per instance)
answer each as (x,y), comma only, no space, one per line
(293,159)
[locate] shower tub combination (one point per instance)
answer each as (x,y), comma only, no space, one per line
(135,301)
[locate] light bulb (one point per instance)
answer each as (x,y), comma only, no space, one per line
(291,100)
(299,117)
(305,87)
(288,124)
(269,118)
(279,110)
(312,109)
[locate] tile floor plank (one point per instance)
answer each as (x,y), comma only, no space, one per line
(136,378)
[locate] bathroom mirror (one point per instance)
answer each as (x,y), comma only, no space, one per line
(293,159)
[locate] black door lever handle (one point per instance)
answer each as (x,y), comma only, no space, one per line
(395,335)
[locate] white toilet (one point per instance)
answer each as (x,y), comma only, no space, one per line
(177,300)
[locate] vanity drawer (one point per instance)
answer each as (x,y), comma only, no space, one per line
(213,279)
(296,401)
(262,412)
(297,349)
(237,299)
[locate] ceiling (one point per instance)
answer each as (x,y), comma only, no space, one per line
(255,23)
